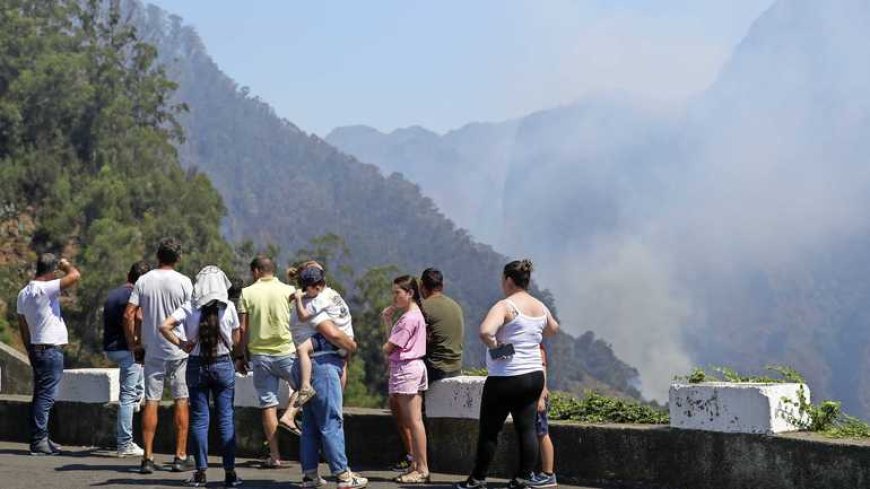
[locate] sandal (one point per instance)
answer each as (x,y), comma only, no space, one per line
(272,463)
(413,477)
(303,396)
(292,428)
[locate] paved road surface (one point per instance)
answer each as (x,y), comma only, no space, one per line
(81,467)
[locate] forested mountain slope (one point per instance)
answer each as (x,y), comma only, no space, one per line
(284,187)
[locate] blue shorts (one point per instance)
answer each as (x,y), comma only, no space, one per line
(542,425)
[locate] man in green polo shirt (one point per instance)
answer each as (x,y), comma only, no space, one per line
(264,311)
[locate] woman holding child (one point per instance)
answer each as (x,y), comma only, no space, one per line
(406,348)
(324,338)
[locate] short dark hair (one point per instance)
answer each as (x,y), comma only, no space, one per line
(138,269)
(46,263)
(169,251)
(235,290)
(263,263)
(520,271)
(432,279)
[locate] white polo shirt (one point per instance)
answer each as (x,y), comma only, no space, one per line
(39,303)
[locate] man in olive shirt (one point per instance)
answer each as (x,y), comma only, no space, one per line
(445,328)
(264,311)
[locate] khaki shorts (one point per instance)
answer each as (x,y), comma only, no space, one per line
(158,370)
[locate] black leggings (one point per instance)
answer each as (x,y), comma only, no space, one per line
(517,395)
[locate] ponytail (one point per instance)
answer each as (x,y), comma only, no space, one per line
(209,331)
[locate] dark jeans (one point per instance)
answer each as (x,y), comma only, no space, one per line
(219,380)
(47,367)
(517,395)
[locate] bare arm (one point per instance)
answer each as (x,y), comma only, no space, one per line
(71,274)
(24,331)
(131,333)
(388,348)
(552,326)
(243,333)
(166,330)
(336,336)
(301,313)
(494,320)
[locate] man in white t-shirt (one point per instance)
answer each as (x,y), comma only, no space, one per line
(44,333)
(157,294)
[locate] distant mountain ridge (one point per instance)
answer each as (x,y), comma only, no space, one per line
(285,187)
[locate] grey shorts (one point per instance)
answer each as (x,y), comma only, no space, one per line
(158,370)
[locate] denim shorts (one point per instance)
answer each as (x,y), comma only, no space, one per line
(268,371)
(159,370)
(542,425)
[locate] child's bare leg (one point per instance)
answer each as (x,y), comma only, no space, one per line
(547,454)
(303,353)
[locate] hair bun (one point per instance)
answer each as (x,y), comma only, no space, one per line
(292,273)
(526,265)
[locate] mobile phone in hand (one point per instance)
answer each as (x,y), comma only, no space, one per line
(502,351)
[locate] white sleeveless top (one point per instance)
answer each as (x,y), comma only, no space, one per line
(525,333)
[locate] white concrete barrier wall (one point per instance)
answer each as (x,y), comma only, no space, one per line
(735,407)
(101,385)
(455,397)
(97,385)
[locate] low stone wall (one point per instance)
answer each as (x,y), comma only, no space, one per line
(603,455)
(16,376)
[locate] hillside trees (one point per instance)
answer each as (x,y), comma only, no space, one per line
(87,155)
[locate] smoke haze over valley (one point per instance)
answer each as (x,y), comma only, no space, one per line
(721,222)
(730,230)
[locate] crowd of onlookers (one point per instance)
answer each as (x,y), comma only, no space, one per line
(192,338)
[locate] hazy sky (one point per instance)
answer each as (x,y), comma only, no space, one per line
(442,64)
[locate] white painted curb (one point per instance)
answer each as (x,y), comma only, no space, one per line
(735,407)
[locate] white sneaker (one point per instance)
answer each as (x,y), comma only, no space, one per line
(312,481)
(351,480)
(131,450)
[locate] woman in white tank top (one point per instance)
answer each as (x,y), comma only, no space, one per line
(512,332)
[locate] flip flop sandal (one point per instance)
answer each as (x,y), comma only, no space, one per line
(271,463)
(413,478)
(304,396)
(293,429)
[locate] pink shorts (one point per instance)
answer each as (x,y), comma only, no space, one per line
(408,377)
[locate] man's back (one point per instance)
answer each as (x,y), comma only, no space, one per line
(38,303)
(113,318)
(446,324)
(159,293)
(267,305)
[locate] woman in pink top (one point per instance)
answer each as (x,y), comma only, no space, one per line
(406,348)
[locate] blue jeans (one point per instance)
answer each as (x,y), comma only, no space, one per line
(322,419)
(132,390)
(219,380)
(47,371)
